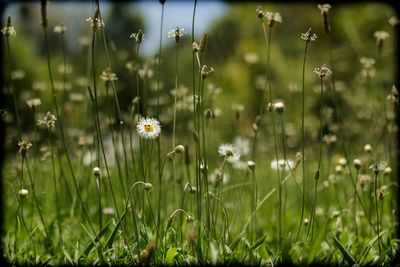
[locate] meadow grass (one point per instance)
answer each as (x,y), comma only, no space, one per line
(312,182)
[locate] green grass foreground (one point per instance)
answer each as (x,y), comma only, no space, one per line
(268,140)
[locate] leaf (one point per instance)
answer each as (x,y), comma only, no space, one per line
(236,241)
(110,239)
(66,254)
(213,253)
(170,257)
(367,248)
(258,242)
(93,242)
(346,254)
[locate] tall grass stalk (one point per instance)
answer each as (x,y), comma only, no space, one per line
(116,102)
(11,82)
(60,123)
(195,132)
(36,200)
(55,186)
(318,171)
(97,121)
(275,135)
(159,172)
(303,133)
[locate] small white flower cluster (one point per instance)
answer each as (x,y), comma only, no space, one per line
(322,71)
(33,103)
(309,36)
(176,33)
(95,23)
(49,120)
(282,165)
(368,69)
(108,76)
(324,8)
(9,31)
(138,36)
(60,29)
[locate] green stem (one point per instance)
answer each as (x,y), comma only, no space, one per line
(97,119)
(55,186)
(60,126)
(13,90)
(303,144)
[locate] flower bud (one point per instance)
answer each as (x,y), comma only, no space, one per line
(179,149)
(96,172)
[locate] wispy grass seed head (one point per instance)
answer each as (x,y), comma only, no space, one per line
(148,128)
(279,107)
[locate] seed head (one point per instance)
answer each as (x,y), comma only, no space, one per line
(203,42)
(96,172)
(179,149)
(260,12)
(306,221)
(251,164)
(177,33)
(9,30)
(377,167)
(309,36)
(23,192)
(205,70)
(273,17)
(357,164)
(325,16)
(60,29)
(33,103)
(368,148)
(107,76)
(24,147)
(49,120)
(148,187)
(279,107)
(380,37)
(138,37)
(322,71)
(95,22)
(189,219)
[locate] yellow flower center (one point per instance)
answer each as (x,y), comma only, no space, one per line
(148,127)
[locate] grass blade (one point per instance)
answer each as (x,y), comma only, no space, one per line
(345,253)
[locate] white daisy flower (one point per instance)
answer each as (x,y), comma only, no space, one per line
(281,164)
(148,128)
(229,152)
